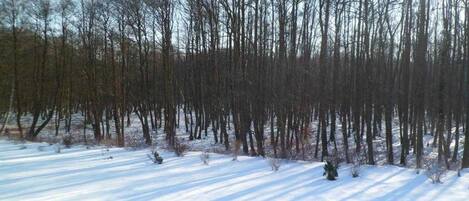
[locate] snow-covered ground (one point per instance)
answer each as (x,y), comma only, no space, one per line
(34,171)
(83,133)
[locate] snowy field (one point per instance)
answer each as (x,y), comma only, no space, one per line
(35,171)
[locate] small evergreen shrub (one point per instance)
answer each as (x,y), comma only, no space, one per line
(155,157)
(330,171)
(158,158)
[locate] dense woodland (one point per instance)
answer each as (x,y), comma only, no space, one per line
(356,68)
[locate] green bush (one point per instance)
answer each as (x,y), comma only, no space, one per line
(330,171)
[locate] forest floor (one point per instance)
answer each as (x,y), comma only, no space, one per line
(35,171)
(134,138)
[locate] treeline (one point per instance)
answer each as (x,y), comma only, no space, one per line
(357,68)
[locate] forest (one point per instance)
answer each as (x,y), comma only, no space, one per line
(285,76)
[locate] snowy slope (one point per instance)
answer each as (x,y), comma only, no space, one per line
(34,171)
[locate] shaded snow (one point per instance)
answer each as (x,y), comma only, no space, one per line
(134,138)
(37,172)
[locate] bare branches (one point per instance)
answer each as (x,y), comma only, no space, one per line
(273,76)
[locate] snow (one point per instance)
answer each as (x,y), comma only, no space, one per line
(35,171)
(134,138)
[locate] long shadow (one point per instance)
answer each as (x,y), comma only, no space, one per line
(63,158)
(68,173)
(97,176)
(402,191)
(47,153)
(97,170)
(264,174)
(23,154)
(87,176)
(292,179)
(6,149)
(324,186)
(73,156)
(446,186)
(175,188)
(209,179)
(188,186)
(315,173)
(145,180)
